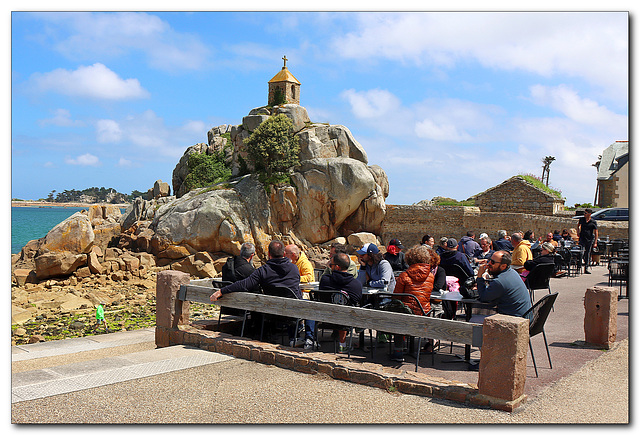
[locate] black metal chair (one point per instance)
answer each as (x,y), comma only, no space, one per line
(230,311)
(538,315)
(337,297)
(283,292)
(317,274)
(407,310)
(619,272)
(539,277)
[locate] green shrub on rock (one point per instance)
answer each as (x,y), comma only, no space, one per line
(206,169)
(273,149)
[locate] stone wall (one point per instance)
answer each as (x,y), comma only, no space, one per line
(515,195)
(409,223)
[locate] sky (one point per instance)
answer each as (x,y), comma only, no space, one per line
(447,103)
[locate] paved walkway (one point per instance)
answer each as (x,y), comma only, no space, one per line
(122,378)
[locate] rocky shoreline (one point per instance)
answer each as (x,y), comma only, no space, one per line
(60,204)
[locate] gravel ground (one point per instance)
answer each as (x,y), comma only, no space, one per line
(235,392)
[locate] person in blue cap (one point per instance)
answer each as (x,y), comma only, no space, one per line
(375,271)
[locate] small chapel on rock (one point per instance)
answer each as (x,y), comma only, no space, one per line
(284,87)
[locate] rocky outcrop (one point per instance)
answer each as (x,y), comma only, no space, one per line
(161,189)
(74,234)
(334,192)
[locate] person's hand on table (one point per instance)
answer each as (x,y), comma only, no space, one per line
(215,296)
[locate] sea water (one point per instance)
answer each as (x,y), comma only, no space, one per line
(30,223)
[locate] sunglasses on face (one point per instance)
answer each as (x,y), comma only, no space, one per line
(492,261)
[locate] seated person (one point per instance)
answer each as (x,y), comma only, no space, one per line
(236,268)
(440,248)
(418,281)
(550,238)
(239,266)
(501,285)
(338,279)
(468,245)
(277,271)
(452,256)
(485,251)
(339,248)
(521,252)
(429,241)
(299,258)
(502,244)
(374,271)
(395,256)
(547,255)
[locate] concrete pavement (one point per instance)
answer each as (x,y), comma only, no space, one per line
(122,378)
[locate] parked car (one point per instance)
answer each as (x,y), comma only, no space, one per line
(609,214)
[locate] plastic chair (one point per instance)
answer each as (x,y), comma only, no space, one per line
(283,292)
(337,297)
(538,315)
(539,277)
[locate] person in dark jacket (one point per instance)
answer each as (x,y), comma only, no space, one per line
(452,256)
(338,279)
(395,256)
(547,255)
(502,244)
(239,266)
(468,245)
(277,271)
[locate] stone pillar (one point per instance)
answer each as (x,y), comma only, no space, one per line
(503,362)
(600,316)
(170,312)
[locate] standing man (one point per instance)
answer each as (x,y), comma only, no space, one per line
(299,258)
(588,236)
(469,246)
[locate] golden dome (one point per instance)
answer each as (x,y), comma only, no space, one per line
(284,76)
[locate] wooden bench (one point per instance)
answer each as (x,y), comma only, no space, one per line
(395,323)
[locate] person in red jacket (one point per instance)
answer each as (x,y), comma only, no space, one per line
(418,281)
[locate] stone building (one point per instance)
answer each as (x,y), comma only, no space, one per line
(284,87)
(612,189)
(516,195)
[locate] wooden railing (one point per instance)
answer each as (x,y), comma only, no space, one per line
(395,323)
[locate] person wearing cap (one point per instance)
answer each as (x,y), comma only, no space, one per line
(588,236)
(375,271)
(547,255)
(395,256)
(441,244)
(452,256)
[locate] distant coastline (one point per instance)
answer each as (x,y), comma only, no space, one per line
(60,204)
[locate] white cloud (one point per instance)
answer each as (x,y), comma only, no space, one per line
(374,103)
(429,129)
(107,35)
(108,131)
(61,118)
(95,81)
(124,162)
(581,110)
(83,160)
(589,45)
(49,165)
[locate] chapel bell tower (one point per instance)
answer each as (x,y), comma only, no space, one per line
(284,87)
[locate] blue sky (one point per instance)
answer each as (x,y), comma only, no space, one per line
(447,103)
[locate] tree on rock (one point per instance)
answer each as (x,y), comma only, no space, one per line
(205,170)
(273,149)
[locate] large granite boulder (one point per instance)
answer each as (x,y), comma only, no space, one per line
(50,264)
(74,234)
(326,141)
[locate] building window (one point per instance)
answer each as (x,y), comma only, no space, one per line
(293,92)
